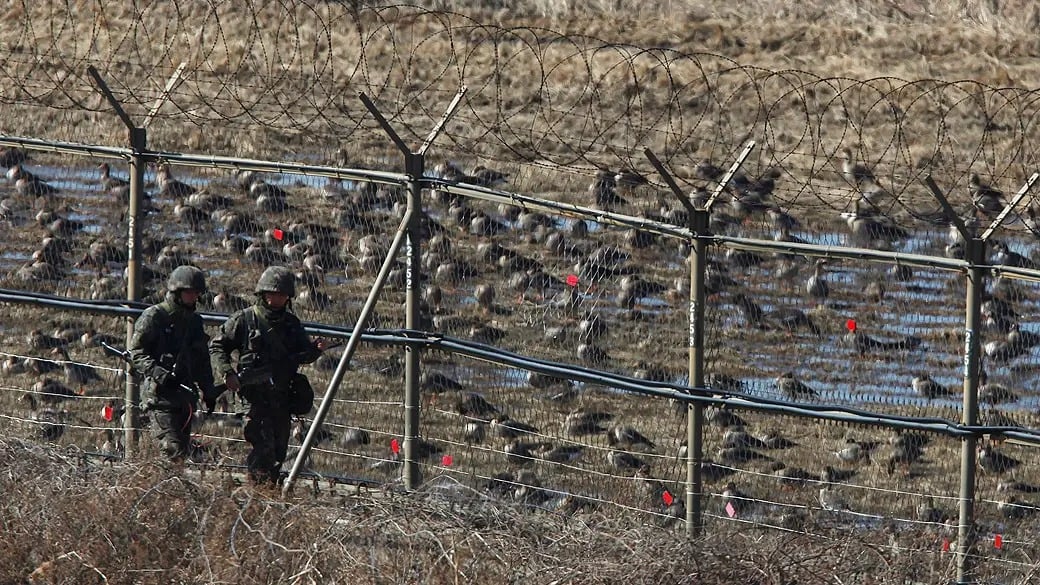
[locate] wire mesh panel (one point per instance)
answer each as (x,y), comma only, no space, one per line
(829,482)
(58,385)
(566,288)
(562,445)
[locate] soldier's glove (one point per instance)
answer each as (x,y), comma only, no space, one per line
(161,375)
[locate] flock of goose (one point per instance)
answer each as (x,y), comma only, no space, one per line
(253,223)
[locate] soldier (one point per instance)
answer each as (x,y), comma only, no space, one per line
(271,345)
(168,348)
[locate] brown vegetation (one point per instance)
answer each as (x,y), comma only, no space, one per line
(149,523)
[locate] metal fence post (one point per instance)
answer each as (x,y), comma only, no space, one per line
(975,254)
(132,398)
(414,168)
(138,138)
(695,420)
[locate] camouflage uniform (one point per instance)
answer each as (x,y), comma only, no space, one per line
(268,418)
(169,348)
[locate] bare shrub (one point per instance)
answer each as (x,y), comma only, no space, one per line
(72,520)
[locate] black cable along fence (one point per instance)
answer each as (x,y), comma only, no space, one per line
(552,296)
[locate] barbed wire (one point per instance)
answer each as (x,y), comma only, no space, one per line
(536,95)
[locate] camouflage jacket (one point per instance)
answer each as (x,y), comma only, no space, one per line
(243,332)
(168,348)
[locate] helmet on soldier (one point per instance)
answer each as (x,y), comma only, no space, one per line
(277,279)
(186,277)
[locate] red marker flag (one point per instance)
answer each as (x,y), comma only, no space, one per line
(851,325)
(667,497)
(946,545)
(278,234)
(446,460)
(395,446)
(998,541)
(107,412)
(572,280)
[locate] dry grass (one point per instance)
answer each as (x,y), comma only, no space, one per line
(147,523)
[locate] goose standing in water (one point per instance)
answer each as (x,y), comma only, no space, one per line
(170,187)
(817,286)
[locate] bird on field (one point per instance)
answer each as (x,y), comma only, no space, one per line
(52,391)
(1013,508)
(740,502)
(925,386)
(474,406)
(584,422)
(76,374)
(792,477)
(817,285)
(738,437)
(226,302)
(864,344)
(1017,486)
(604,191)
(904,454)
(189,215)
(993,461)
(753,313)
(270,198)
(724,382)
(723,417)
(301,427)
(791,319)
(625,461)
(170,187)
(522,452)
(506,428)
(835,475)
(209,202)
(560,453)
(109,182)
(110,445)
(868,228)
(50,423)
(994,393)
(592,355)
(485,177)
(856,174)
(1004,255)
(28,184)
(738,455)
(987,200)
(474,432)
(629,179)
(856,451)
(485,296)
(628,438)
(353,437)
(436,382)
(790,386)
(774,440)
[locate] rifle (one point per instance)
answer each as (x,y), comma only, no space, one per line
(210,399)
(249,375)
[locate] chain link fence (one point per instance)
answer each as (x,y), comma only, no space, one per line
(554,276)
